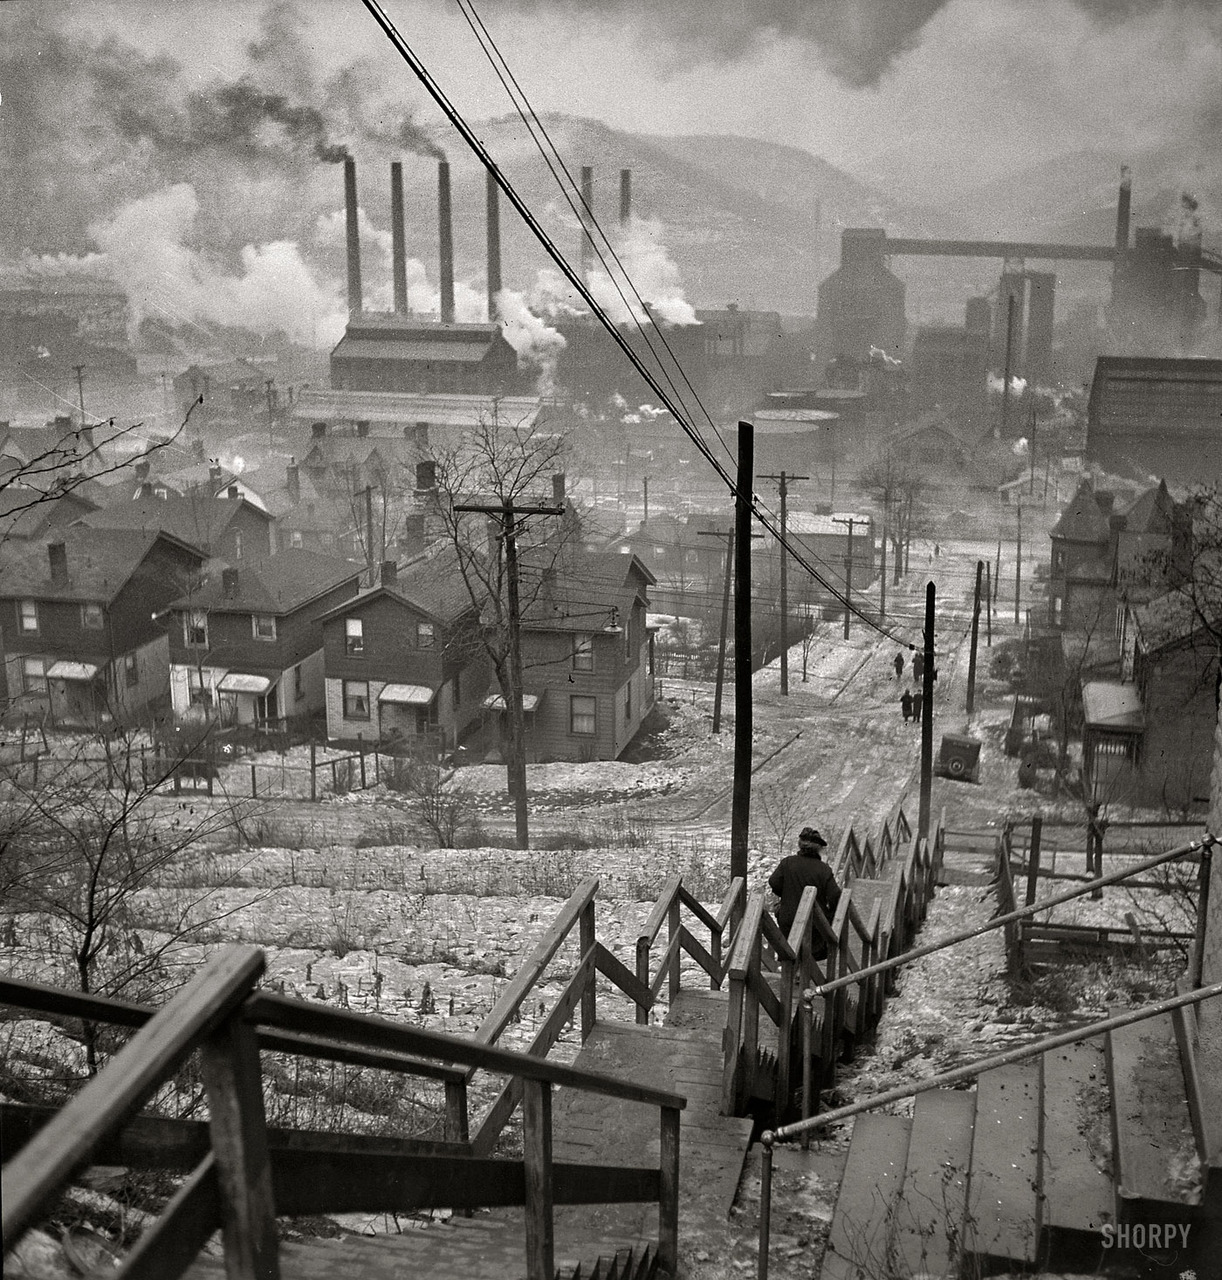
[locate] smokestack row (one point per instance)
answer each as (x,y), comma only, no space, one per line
(445,230)
(492,202)
(354,238)
(398,236)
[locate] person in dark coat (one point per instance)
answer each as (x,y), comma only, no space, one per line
(899,666)
(918,666)
(906,706)
(794,873)
(918,701)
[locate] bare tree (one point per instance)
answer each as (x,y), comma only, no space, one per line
(896,485)
(504,465)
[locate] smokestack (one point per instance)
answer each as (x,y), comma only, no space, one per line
(494,246)
(446,235)
(229,583)
(398,234)
(389,573)
(558,485)
(1122,210)
(587,211)
(625,197)
(292,481)
(354,238)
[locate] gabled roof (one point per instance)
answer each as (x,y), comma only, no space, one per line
(99,564)
(1107,704)
(1082,519)
(1167,620)
(581,588)
(1151,512)
(195,519)
(270,584)
(430,585)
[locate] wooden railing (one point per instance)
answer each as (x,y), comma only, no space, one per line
(247,1173)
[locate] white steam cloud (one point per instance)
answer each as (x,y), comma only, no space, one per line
(534,340)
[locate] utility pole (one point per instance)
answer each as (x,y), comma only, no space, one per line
(784,478)
(997,575)
(971,665)
(80,390)
(882,567)
(728,535)
(1018,564)
(988,600)
(928,675)
(740,811)
(268,384)
(848,573)
(509,514)
(1031,454)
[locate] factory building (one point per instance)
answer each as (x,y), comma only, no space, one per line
(861,304)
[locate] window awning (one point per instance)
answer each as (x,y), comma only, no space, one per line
(240,682)
(64,670)
(496,701)
(407,695)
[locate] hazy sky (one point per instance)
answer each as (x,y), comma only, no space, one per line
(971,87)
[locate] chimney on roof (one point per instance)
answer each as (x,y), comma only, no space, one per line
(233,491)
(57,553)
(318,430)
(587,213)
(558,482)
(354,238)
(292,480)
(214,473)
(229,583)
(1123,205)
(445,230)
(362,428)
(142,469)
(426,476)
(398,236)
(625,197)
(389,573)
(493,205)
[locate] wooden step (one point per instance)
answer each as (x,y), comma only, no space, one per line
(933,1201)
(1003,1217)
(858,1241)
(1153,1143)
(1078,1195)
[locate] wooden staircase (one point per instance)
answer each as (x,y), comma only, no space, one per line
(1047,1164)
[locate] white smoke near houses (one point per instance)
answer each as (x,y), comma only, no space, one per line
(997,384)
(144,249)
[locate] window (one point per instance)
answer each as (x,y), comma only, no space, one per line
(354,636)
(425,635)
(583,653)
(264,626)
(29,616)
(34,675)
(237,544)
(91,617)
(298,682)
(582,714)
(296,540)
(356,699)
(195,629)
(197,683)
(131,670)
(628,701)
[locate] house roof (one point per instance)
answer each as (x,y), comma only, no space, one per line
(1167,620)
(270,584)
(836,524)
(582,587)
(197,520)
(1082,520)
(1107,704)
(99,564)
(431,585)
(1151,512)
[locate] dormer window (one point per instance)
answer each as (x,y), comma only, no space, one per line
(91,617)
(425,635)
(29,616)
(583,653)
(264,626)
(195,629)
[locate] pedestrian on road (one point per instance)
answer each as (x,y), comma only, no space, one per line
(899,666)
(918,666)
(794,873)
(918,701)
(906,706)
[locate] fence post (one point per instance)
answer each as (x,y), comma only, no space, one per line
(537,1159)
(668,1198)
(232,1079)
(456,1123)
(1033,859)
(642,972)
(254,784)
(588,939)
(313,770)
(360,746)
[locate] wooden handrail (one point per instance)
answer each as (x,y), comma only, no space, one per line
(266,1009)
(157,1049)
(748,936)
(661,909)
(737,890)
(702,913)
(57,1002)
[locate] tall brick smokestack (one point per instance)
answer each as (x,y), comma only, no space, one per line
(625,197)
(494,245)
(398,235)
(1122,210)
(354,238)
(587,203)
(445,230)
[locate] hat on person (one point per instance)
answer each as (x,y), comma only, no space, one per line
(810,837)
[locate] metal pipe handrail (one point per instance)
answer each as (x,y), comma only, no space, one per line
(997,922)
(801,1128)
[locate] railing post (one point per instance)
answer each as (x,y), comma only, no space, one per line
(456,1125)
(784,1058)
(672,932)
(751,1012)
(1198,946)
(588,936)
(642,973)
(233,1083)
(537,1158)
(808,1049)
(668,1198)
(733,1042)
(715,956)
